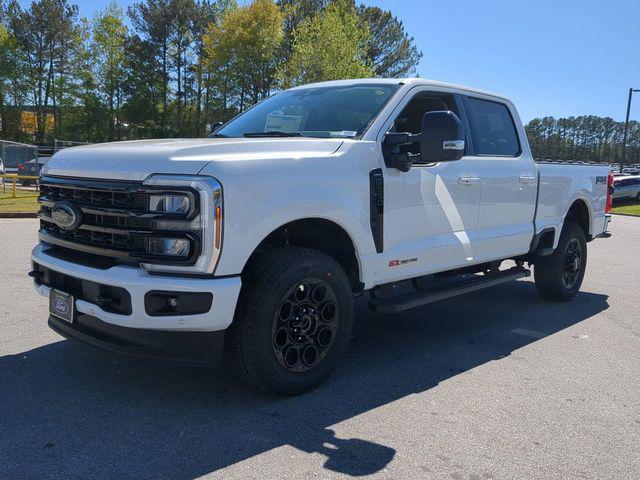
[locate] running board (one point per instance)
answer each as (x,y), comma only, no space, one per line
(419,298)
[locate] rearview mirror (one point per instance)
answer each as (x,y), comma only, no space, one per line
(215,126)
(443,137)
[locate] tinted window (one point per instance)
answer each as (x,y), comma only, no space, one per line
(410,119)
(333,111)
(492,128)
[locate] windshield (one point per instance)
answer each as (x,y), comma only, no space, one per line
(343,112)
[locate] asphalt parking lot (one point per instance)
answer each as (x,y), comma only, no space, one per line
(494,385)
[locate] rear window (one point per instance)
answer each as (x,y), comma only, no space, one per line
(492,128)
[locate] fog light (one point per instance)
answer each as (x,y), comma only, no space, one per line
(178,247)
(169,203)
(158,303)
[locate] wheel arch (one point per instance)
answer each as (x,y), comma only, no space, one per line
(580,213)
(320,234)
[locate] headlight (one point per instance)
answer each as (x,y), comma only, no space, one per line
(169,203)
(198,233)
(177,247)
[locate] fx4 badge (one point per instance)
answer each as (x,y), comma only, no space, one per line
(404,261)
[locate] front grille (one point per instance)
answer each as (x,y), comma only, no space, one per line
(97,194)
(115,222)
(123,242)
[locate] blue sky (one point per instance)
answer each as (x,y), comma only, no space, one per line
(552,57)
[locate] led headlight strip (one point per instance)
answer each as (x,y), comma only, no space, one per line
(209,221)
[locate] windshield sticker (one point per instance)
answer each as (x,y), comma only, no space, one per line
(277,122)
(344,133)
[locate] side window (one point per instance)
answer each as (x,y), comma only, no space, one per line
(492,128)
(410,119)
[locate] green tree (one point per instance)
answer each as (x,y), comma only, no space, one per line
(243,53)
(108,48)
(389,49)
(152,20)
(180,63)
(8,68)
(297,11)
(144,91)
(50,42)
(181,43)
(328,46)
(584,138)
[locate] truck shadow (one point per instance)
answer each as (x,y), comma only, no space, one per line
(70,412)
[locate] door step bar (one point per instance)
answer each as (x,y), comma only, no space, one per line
(469,284)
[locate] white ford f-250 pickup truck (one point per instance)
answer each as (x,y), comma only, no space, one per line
(257,239)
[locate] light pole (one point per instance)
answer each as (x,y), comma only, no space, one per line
(626,126)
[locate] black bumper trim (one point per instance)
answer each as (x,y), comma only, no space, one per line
(182,348)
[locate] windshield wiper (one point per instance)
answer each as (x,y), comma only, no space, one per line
(272,133)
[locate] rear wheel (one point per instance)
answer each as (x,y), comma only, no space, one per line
(293,321)
(559,276)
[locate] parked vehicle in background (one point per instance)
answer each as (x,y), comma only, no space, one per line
(627,187)
(257,239)
(32,168)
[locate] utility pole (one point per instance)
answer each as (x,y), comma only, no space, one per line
(626,127)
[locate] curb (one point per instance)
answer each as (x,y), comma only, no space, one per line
(18,215)
(625,214)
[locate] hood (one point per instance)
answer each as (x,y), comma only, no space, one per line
(136,160)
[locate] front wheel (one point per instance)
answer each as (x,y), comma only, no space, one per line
(559,276)
(293,320)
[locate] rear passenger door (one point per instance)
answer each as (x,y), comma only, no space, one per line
(509,179)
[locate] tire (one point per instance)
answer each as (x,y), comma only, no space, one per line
(294,302)
(559,276)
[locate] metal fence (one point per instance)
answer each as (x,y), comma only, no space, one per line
(13,153)
(15,187)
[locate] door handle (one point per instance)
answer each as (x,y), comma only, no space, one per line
(469,180)
(527,179)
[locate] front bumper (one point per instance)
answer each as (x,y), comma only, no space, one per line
(183,348)
(137,282)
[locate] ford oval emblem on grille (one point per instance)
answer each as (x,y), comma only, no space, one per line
(66,215)
(61,306)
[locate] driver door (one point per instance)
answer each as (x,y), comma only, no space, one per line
(431,211)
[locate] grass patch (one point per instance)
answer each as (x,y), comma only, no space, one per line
(628,208)
(26,201)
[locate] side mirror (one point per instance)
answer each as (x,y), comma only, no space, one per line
(443,137)
(394,155)
(442,140)
(215,126)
